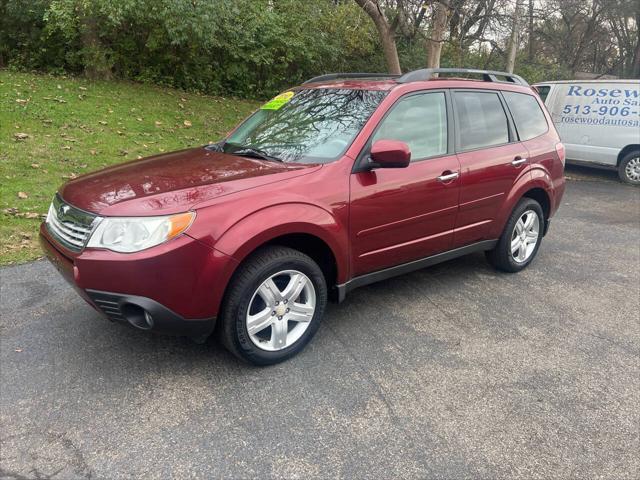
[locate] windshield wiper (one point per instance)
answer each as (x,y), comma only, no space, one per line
(255,153)
(216,147)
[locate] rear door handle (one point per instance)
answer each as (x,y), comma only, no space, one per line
(518,161)
(445,177)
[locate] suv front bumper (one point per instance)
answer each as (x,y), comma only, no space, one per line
(174,288)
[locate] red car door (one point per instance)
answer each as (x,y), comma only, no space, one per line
(403,214)
(491,161)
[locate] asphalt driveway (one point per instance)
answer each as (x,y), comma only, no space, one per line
(454,371)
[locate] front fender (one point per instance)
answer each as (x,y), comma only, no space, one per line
(262,226)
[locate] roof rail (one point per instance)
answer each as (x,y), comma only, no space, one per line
(340,76)
(487,75)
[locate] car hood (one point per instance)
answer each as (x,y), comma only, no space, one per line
(173,182)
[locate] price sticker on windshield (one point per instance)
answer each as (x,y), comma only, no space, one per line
(277,102)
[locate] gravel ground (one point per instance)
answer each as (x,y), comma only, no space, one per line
(453,371)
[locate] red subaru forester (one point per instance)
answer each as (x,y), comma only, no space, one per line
(343,181)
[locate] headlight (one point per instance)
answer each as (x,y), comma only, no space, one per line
(132,234)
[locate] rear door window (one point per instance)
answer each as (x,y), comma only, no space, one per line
(482,122)
(420,121)
(530,121)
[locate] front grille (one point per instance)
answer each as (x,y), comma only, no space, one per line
(69,225)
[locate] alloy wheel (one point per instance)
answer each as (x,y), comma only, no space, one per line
(281,310)
(525,236)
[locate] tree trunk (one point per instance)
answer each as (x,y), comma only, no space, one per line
(635,62)
(513,39)
(434,43)
(94,57)
(635,67)
(531,54)
(387,35)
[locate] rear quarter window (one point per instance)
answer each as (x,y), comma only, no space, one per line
(527,114)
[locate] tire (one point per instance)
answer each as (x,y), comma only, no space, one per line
(263,326)
(503,256)
(629,168)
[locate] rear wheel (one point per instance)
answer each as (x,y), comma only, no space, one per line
(520,239)
(274,305)
(629,168)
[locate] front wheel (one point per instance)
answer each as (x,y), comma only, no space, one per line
(273,306)
(629,168)
(520,239)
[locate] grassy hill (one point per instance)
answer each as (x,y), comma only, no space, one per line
(56,128)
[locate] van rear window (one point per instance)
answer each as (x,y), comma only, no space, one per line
(530,121)
(543,91)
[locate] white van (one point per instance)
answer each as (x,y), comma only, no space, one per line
(598,122)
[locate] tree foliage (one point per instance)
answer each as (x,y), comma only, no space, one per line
(242,47)
(254,48)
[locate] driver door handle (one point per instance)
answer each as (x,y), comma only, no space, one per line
(518,161)
(448,175)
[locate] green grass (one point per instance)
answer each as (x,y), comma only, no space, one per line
(75,126)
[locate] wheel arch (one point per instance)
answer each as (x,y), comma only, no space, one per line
(541,196)
(538,187)
(626,150)
(315,232)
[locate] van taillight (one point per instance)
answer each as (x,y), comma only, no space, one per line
(560,151)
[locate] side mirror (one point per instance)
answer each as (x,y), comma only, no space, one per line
(389,154)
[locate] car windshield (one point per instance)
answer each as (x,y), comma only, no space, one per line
(308,126)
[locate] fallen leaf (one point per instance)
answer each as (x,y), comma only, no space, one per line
(20,136)
(83,88)
(10,211)
(66,147)
(93,152)
(31,215)
(102,122)
(22,195)
(187,123)
(158,123)
(35,165)
(22,101)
